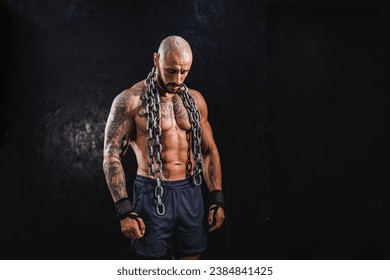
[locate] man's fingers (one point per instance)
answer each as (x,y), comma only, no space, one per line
(127,232)
(141,226)
(212,228)
(136,232)
(211,217)
(216,218)
(217,224)
(213,211)
(136,228)
(133,228)
(221,215)
(140,229)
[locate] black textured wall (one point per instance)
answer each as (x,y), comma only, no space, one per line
(297,108)
(327,144)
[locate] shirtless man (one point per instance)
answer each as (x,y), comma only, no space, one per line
(167,209)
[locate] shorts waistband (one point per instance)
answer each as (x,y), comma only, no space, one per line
(166,183)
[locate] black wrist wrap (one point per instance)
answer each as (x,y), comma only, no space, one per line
(124,208)
(216,197)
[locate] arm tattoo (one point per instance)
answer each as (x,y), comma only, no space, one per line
(116,117)
(115,179)
(141,110)
(113,148)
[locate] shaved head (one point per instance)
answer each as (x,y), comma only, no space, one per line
(175,44)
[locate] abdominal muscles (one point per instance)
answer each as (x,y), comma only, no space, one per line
(173,155)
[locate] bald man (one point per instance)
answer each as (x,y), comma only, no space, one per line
(166,125)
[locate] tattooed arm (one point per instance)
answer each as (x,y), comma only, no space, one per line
(211,162)
(119,127)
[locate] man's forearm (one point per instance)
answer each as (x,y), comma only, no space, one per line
(115,177)
(212,172)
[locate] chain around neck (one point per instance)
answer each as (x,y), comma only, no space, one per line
(153,141)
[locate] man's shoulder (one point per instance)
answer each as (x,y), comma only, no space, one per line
(194,92)
(132,95)
(129,99)
(197,96)
(134,92)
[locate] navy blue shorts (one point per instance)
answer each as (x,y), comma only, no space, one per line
(182,227)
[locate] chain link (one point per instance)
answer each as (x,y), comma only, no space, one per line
(154,146)
(194,117)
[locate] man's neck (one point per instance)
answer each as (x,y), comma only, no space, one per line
(160,89)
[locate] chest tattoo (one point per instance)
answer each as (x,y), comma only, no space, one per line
(166,109)
(179,109)
(169,108)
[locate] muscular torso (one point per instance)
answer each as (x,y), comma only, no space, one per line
(174,126)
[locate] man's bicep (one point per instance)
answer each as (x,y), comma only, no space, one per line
(207,133)
(207,137)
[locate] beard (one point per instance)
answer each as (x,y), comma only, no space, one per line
(165,86)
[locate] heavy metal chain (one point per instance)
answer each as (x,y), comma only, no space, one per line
(153,126)
(153,143)
(194,117)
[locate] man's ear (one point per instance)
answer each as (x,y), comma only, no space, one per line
(156,58)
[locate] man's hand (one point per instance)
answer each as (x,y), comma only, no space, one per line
(133,228)
(215,218)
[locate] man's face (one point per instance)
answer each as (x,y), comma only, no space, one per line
(172,70)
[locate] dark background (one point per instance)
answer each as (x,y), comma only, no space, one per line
(296,96)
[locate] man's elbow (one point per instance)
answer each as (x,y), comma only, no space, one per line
(111,152)
(110,159)
(209,150)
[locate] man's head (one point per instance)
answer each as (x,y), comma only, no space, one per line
(173,62)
